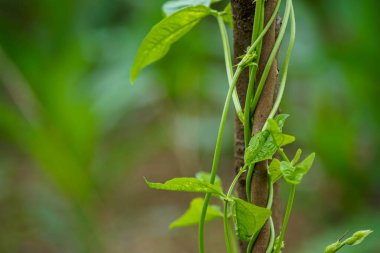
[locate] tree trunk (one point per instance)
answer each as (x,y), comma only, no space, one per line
(243,12)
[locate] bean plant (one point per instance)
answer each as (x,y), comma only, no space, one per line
(180,17)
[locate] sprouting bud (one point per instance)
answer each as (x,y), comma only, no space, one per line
(357,237)
(333,247)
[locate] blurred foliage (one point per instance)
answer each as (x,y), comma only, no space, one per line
(76,138)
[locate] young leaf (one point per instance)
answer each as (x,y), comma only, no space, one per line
(296,156)
(290,174)
(294,174)
(261,147)
(306,164)
(185,184)
(158,41)
(205,177)
(248,218)
(171,7)
(274,170)
(191,216)
(275,128)
(280,119)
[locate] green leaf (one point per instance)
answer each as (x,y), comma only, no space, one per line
(306,164)
(205,177)
(280,119)
(274,170)
(248,218)
(294,174)
(158,41)
(171,7)
(185,184)
(275,128)
(296,156)
(290,174)
(191,216)
(261,147)
(227,15)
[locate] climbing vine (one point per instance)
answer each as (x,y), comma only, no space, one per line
(248,219)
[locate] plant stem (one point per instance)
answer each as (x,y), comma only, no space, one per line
(266,28)
(269,206)
(283,155)
(257,24)
(228,62)
(286,218)
(285,65)
(225,217)
(216,159)
(252,104)
(241,171)
(272,56)
(226,225)
(252,242)
(272,236)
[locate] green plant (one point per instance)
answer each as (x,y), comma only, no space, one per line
(181,17)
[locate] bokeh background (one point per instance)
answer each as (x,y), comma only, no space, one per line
(76,138)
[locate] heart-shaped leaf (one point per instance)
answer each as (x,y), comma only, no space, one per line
(248,218)
(192,215)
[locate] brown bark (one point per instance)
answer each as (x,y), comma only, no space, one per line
(243,17)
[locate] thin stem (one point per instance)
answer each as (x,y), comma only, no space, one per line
(226,225)
(241,171)
(248,186)
(216,159)
(258,20)
(225,217)
(272,56)
(272,236)
(252,242)
(228,62)
(233,242)
(266,28)
(285,65)
(248,180)
(268,206)
(283,155)
(286,218)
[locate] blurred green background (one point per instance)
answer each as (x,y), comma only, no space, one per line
(76,138)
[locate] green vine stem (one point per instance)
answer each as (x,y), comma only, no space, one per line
(226,224)
(247,134)
(272,236)
(216,159)
(263,79)
(257,29)
(272,232)
(286,218)
(272,56)
(228,62)
(285,65)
